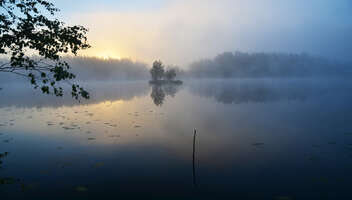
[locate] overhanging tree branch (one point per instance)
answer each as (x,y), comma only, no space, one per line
(24,28)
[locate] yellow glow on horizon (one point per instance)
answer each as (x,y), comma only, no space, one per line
(107,56)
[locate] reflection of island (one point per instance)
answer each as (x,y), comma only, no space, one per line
(160,91)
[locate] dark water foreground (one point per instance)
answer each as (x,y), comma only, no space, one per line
(256,139)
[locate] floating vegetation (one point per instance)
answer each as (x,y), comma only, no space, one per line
(348,148)
(283,198)
(81,189)
(98,164)
(44,172)
(114,136)
(258,144)
(7,181)
(69,128)
(91,138)
(3,155)
(321,179)
(313,158)
(66,164)
(50,123)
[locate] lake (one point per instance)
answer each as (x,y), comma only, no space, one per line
(255,139)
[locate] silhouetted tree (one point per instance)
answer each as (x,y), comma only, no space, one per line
(157,71)
(170,74)
(26,28)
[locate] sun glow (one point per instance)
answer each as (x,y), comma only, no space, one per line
(107,56)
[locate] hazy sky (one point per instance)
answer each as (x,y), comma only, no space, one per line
(181,31)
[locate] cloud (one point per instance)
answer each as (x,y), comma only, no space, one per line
(180,32)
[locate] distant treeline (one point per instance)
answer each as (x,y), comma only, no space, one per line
(91,68)
(225,65)
(246,65)
(94,69)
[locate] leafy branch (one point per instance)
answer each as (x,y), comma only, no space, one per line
(25,30)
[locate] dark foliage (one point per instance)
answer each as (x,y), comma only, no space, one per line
(26,29)
(157,71)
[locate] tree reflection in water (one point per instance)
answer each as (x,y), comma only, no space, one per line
(161,91)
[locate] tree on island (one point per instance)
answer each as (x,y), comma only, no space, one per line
(160,76)
(27,29)
(170,74)
(157,71)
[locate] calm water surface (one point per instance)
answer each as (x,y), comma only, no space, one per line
(256,139)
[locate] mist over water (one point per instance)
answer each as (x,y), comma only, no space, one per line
(175,99)
(265,123)
(251,133)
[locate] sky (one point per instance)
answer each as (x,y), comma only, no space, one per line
(182,31)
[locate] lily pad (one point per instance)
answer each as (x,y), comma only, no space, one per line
(283,198)
(7,181)
(81,189)
(313,158)
(98,164)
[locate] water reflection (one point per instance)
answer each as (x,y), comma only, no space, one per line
(24,96)
(269,144)
(160,91)
(269,90)
(226,92)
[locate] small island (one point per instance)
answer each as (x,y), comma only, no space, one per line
(161,76)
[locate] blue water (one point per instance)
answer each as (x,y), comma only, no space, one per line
(256,139)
